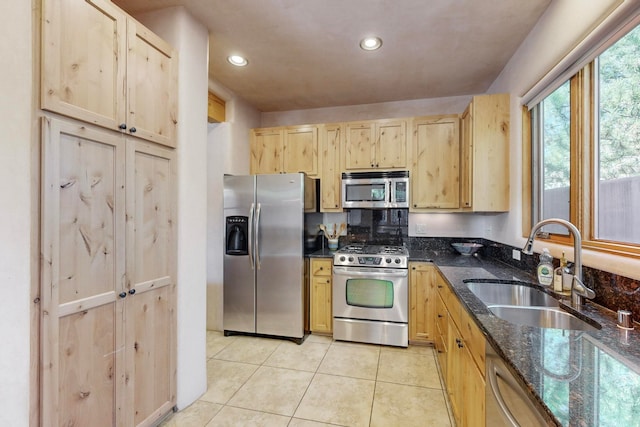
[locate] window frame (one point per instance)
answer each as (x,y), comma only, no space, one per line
(583,146)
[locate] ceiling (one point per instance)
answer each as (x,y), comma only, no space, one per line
(305,53)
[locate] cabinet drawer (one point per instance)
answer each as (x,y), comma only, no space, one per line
(321,267)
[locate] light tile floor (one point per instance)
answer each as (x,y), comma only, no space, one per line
(269,382)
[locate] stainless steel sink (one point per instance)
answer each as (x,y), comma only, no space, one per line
(540,317)
(511,294)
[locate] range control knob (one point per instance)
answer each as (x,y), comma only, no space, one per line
(342,258)
(397,260)
(388,260)
(350,259)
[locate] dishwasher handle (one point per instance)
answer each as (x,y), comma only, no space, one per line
(494,373)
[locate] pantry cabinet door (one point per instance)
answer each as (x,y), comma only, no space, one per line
(84,60)
(82,267)
(152,69)
(151,280)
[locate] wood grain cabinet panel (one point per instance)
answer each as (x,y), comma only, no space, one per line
(330,178)
(284,150)
(422,302)
(378,144)
(300,150)
(108,278)
(321,296)
(101,66)
(435,168)
(460,345)
(485,154)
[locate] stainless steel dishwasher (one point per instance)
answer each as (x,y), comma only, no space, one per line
(507,403)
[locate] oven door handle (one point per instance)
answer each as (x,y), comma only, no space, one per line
(358,271)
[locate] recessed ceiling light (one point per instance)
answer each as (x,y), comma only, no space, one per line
(371,43)
(237,60)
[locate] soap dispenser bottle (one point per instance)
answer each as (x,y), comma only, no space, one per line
(545,268)
(558,274)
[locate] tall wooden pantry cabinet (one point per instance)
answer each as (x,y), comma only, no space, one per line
(108,238)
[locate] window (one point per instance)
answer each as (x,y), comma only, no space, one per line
(553,155)
(585,152)
(617,175)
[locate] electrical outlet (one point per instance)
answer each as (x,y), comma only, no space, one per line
(421,228)
(515,254)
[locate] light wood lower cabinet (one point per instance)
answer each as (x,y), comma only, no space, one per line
(108,278)
(461,354)
(422,302)
(320,299)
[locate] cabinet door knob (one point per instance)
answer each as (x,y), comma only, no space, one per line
(132,291)
(123,126)
(133,129)
(440,316)
(122,294)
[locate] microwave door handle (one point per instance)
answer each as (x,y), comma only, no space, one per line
(388,188)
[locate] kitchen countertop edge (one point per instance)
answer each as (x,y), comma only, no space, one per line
(500,334)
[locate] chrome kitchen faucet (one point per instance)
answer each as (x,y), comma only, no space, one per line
(578,289)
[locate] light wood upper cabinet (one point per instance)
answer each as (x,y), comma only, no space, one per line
(375,144)
(152,70)
(435,158)
(484,183)
(216,109)
(300,150)
(330,182)
(284,150)
(101,66)
(266,150)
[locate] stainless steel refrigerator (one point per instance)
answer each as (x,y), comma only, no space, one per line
(264,288)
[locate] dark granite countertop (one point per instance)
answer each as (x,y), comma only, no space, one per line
(577,378)
(320,253)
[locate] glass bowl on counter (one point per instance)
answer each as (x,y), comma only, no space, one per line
(466,248)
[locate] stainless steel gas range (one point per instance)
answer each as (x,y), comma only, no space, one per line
(371,294)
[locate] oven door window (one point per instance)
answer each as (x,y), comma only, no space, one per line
(365,193)
(369,293)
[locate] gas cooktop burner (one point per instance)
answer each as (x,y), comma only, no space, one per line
(372,256)
(373,250)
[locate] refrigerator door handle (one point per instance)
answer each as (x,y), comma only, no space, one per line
(257,231)
(250,247)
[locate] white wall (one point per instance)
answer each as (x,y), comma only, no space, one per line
(228,153)
(16,121)
(191,39)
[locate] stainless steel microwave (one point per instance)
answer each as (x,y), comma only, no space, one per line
(375,190)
